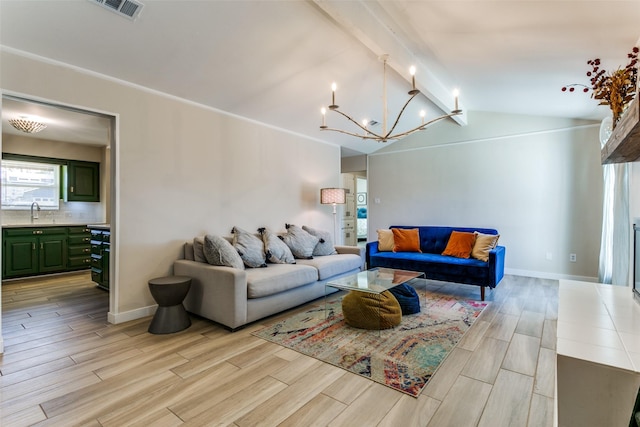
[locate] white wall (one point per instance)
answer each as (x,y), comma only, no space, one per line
(537,180)
(183,170)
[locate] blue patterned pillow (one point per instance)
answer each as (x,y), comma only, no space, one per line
(325,245)
(276,250)
(299,241)
(250,248)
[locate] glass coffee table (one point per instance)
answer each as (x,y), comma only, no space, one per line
(374,281)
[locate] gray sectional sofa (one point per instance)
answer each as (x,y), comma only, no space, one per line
(235,297)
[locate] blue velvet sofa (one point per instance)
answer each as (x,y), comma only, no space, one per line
(433,241)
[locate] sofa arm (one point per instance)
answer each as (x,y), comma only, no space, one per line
(217,293)
(496,265)
(372,248)
(355,250)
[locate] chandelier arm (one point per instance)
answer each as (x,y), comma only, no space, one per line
(374,137)
(400,115)
(422,126)
(359,125)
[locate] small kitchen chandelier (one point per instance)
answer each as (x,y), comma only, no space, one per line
(26,125)
(385,135)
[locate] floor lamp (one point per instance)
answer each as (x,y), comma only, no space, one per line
(333,196)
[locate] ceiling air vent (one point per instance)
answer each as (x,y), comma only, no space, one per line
(127,8)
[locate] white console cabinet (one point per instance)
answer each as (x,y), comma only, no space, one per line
(598,355)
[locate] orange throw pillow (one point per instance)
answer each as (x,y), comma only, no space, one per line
(460,244)
(406,240)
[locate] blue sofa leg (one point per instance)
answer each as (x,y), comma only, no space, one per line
(481,293)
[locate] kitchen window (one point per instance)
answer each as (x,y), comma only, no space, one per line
(25,182)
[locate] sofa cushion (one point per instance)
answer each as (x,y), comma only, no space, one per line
(331,265)
(406,240)
(218,251)
(198,249)
(385,240)
(276,250)
(460,244)
(299,241)
(435,266)
(250,248)
(483,244)
(434,239)
(262,282)
(324,245)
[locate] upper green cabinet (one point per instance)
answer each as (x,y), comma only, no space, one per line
(81,181)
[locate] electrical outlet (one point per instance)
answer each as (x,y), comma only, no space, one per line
(572,257)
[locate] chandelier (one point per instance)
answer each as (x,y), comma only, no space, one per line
(26,125)
(385,135)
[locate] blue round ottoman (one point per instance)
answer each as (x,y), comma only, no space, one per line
(407,298)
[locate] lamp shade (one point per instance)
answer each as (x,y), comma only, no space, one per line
(329,196)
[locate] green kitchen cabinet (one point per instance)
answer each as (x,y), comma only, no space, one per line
(78,248)
(20,256)
(30,251)
(81,181)
(52,253)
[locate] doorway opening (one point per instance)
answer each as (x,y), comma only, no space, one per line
(74,134)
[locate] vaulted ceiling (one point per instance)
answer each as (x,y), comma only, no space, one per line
(274,61)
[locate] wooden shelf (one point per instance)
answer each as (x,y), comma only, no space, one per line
(624,144)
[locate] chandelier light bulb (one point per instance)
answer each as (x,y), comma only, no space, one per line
(412,71)
(333,105)
(456,94)
(323,111)
(365,122)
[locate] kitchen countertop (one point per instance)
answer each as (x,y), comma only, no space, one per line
(55,224)
(100,226)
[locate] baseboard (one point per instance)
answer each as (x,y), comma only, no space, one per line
(127,316)
(546,275)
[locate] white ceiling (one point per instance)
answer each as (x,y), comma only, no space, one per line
(274,61)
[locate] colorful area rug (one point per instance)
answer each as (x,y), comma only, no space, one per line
(403,358)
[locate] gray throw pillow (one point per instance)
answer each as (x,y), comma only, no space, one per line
(299,241)
(325,245)
(250,248)
(277,251)
(198,249)
(218,251)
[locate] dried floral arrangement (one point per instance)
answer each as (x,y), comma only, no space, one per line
(616,89)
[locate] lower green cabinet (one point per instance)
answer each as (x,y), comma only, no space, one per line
(52,253)
(78,248)
(30,251)
(20,256)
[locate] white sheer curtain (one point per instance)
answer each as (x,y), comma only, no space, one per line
(616,233)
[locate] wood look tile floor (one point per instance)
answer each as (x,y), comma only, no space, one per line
(65,365)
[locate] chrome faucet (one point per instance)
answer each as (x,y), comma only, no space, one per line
(34,216)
